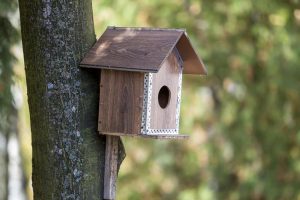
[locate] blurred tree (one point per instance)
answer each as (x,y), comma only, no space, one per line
(8,114)
(244,118)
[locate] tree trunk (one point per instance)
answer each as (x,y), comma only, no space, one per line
(68,153)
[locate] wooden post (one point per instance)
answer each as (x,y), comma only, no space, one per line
(111,167)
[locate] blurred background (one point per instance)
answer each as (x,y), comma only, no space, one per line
(243,118)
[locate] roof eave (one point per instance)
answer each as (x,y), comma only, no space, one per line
(146,70)
(192,63)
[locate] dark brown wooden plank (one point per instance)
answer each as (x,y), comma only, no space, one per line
(141,49)
(168,75)
(111,167)
(121,99)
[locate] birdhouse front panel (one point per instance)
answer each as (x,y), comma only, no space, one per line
(162,94)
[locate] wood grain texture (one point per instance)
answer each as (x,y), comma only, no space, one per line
(141,49)
(111,167)
(121,99)
(168,75)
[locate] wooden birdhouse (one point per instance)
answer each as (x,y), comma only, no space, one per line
(141,79)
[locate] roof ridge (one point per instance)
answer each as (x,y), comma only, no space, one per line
(146,28)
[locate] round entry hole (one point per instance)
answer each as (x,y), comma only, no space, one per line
(164,96)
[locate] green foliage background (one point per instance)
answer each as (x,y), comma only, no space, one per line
(8,113)
(243,118)
(8,37)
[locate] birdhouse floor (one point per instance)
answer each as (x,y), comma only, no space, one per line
(153,136)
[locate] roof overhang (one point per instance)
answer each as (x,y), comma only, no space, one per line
(142,49)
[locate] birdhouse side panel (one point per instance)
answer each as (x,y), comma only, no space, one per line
(120,105)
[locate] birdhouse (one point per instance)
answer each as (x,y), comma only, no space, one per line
(141,80)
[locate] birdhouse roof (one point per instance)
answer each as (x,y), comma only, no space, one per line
(142,49)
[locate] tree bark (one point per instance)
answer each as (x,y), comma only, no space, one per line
(68,153)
